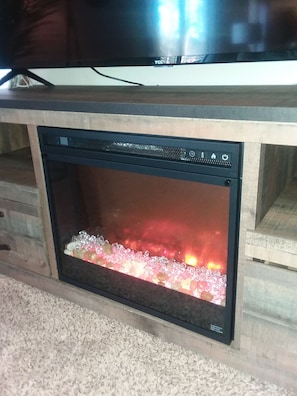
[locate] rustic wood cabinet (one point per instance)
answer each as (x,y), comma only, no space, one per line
(264,119)
(22,241)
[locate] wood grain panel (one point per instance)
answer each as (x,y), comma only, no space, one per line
(44,209)
(279,133)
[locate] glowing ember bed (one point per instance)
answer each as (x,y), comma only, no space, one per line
(151,222)
(201,282)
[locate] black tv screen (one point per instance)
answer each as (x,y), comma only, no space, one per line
(73,33)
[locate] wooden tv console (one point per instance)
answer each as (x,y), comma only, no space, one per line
(264,119)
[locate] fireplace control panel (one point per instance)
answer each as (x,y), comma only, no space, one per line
(215,158)
(209,155)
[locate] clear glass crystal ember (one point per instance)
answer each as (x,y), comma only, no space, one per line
(200,282)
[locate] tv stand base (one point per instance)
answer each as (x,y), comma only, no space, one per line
(15,72)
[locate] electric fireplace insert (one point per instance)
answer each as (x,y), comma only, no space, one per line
(148,221)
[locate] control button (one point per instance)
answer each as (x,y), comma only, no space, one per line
(192,153)
(225,157)
(63,141)
(213,156)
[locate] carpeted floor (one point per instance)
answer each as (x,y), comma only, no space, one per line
(49,346)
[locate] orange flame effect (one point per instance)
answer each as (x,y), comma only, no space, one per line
(191,260)
(213,266)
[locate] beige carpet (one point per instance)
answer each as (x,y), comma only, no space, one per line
(49,346)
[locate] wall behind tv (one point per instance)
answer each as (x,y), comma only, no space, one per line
(261,73)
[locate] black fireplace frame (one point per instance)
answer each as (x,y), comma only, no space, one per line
(84,147)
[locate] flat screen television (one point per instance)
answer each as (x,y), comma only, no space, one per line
(98,33)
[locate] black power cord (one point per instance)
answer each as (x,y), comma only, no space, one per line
(116,78)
